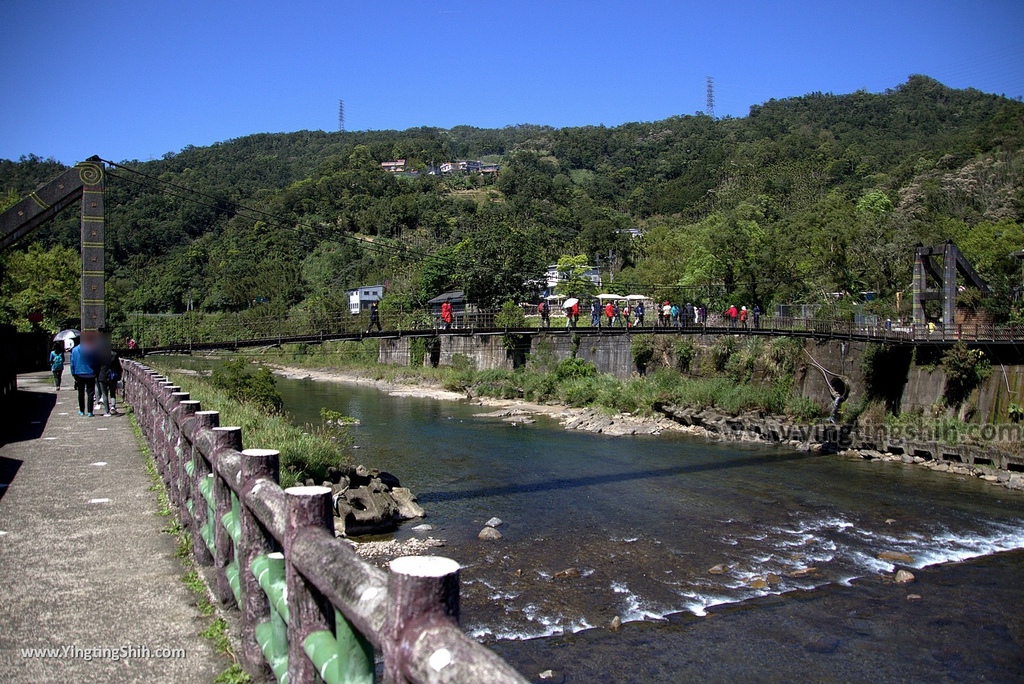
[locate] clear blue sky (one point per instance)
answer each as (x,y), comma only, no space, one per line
(136,79)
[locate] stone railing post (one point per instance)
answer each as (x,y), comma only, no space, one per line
(225,439)
(201,469)
(308,610)
(258,466)
(186,410)
(422,590)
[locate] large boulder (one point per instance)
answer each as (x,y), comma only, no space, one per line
(370,501)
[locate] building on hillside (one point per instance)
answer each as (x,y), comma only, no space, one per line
(397,166)
(360,298)
(468,166)
(552,277)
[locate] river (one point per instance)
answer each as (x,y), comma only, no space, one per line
(654,526)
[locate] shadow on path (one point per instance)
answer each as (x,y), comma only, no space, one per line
(573,482)
(27,414)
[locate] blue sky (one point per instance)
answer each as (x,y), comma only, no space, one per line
(136,79)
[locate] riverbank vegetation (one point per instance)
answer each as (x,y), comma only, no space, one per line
(807,200)
(306,454)
(575,382)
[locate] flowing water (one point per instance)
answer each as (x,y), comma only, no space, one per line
(644,520)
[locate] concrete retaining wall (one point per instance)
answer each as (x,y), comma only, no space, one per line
(921,390)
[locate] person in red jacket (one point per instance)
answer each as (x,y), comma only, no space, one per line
(731,314)
(609,312)
(446,314)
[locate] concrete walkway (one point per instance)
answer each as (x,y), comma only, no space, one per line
(83,562)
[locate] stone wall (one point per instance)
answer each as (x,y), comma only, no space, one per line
(919,390)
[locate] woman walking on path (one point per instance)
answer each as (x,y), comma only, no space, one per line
(109,376)
(57,362)
(84,371)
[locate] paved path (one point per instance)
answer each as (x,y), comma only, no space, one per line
(83,561)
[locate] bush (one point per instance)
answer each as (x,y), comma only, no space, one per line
(258,388)
(965,369)
(643,351)
(574,369)
(684,352)
(510,316)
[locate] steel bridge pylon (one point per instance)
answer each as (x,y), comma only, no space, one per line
(83,181)
(941,264)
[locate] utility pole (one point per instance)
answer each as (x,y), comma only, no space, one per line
(341,116)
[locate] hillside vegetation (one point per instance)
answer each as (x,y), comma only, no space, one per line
(803,197)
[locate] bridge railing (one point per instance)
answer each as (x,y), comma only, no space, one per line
(310,608)
(184,331)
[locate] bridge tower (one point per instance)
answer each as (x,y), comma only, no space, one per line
(940,264)
(84,181)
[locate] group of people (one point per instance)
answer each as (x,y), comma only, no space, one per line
(743,317)
(94,366)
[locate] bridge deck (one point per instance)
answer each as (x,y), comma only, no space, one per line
(84,561)
(984,337)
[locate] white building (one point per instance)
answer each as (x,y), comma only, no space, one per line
(553,277)
(360,298)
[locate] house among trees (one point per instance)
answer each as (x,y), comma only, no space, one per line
(468,166)
(360,298)
(397,166)
(553,277)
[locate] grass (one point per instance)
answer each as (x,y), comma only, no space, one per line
(305,454)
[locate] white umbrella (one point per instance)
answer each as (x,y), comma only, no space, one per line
(609,296)
(553,297)
(66,335)
(570,302)
(637,297)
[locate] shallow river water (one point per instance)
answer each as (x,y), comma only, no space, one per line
(644,520)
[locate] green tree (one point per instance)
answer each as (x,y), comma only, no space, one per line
(572,274)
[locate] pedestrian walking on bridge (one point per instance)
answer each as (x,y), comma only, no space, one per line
(374,318)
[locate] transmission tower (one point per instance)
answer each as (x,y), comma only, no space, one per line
(709,107)
(341,116)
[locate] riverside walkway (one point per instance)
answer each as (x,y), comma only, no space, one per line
(85,565)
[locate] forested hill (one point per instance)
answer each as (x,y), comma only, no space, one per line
(804,196)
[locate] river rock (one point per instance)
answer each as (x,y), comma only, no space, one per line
(408,509)
(803,572)
(719,569)
(616,624)
(568,573)
(494,522)
(896,556)
(489,534)
(913,597)
(757,583)
(551,677)
(904,577)
(423,528)
(370,501)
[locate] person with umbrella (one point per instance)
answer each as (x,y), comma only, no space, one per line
(572,312)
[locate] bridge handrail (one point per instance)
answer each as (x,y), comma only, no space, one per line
(409,613)
(247,330)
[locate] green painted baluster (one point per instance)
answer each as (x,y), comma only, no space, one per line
(272,636)
(233,526)
(206,489)
(345,659)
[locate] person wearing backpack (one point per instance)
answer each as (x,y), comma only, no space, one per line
(109,375)
(57,363)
